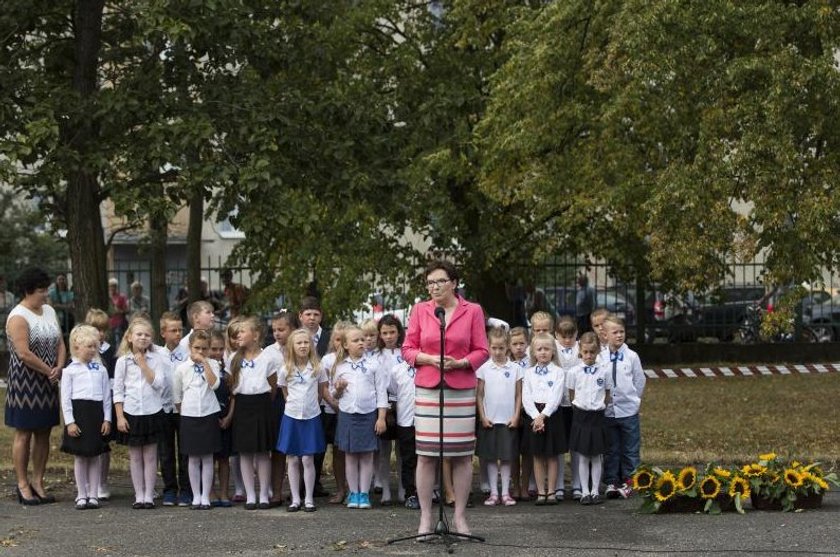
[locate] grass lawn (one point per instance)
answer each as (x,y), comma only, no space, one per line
(687,421)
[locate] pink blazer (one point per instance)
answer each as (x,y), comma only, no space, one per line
(465,338)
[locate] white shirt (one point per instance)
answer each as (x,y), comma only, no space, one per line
(590,384)
(254,374)
(629,382)
(191,390)
(499,389)
(303,399)
(139,398)
(388,358)
(81,381)
(402,386)
(366,388)
(569,358)
(545,385)
(184,344)
(174,357)
(326,366)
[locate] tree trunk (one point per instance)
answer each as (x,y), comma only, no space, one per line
(85,236)
(194,245)
(157,251)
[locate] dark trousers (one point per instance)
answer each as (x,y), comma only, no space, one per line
(170,440)
(408,458)
(319,457)
(622,457)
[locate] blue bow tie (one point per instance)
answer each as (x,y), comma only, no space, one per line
(522,363)
(198,368)
(590,370)
(174,357)
(247,363)
(617,356)
(541,370)
(93,366)
(411,371)
(301,380)
(360,365)
(399,359)
(567,351)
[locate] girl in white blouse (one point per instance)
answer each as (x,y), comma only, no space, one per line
(253,376)
(304,383)
(193,386)
(362,393)
(86,406)
(138,384)
(542,390)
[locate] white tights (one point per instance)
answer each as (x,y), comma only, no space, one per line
(589,467)
(88,472)
(142,462)
(359,470)
(293,465)
(262,463)
(493,471)
(201,478)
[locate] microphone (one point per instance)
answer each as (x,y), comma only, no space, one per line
(440,313)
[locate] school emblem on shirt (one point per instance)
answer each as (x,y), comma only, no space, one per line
(551,383)
(600,381)
(507,374)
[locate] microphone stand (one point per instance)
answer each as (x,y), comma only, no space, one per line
(441,532)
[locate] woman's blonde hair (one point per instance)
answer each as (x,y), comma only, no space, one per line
(83,334)
(291,357)
(125,344)
(547,338)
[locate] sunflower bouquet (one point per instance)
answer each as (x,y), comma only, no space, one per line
(781,484)
(714,490)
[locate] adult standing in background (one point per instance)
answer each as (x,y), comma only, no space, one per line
(117,310)
(465,351)
(37,356)
(584,304)
(137,302)
(235,294)
(61,300)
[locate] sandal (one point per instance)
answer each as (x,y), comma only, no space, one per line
(542,499)
(492,501)
(508,501)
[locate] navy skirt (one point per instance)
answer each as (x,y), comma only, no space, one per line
(589,433)
(355,432)
(301,437)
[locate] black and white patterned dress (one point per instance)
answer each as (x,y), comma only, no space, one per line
(32,401)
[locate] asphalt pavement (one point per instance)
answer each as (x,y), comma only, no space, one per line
(614,528)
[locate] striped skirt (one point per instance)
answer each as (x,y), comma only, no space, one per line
(458,422)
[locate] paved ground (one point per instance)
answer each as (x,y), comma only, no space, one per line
(568,529)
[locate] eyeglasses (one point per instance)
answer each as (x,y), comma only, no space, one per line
(438,282)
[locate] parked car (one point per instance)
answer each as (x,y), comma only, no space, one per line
(824,319)
(563,300)
(721,313)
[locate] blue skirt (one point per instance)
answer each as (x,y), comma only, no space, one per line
(301,437)
(355,432)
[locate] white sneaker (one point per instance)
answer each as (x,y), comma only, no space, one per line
(611,492)
(625,491)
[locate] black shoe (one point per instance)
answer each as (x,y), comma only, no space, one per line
(595,500)
(44,499)
(309,508)
(293,508)
(250,506)
(28,502)
(149,505)
(378,490)
(586,500)
(264,506)
(137,505)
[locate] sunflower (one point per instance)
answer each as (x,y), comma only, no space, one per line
(753,470)
(666,486)
(793,478)
(687,478)
(773,476)
(821,483)
(642,480)
(709,487)
(739,486)
(767,456)
(722,472)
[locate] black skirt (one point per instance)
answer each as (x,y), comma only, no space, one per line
(89,417)
(589,433)
(200,435)
(498,443)
(142,430)
(549,442)
(254,427)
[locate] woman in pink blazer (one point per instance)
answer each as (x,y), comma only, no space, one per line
(464,351)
